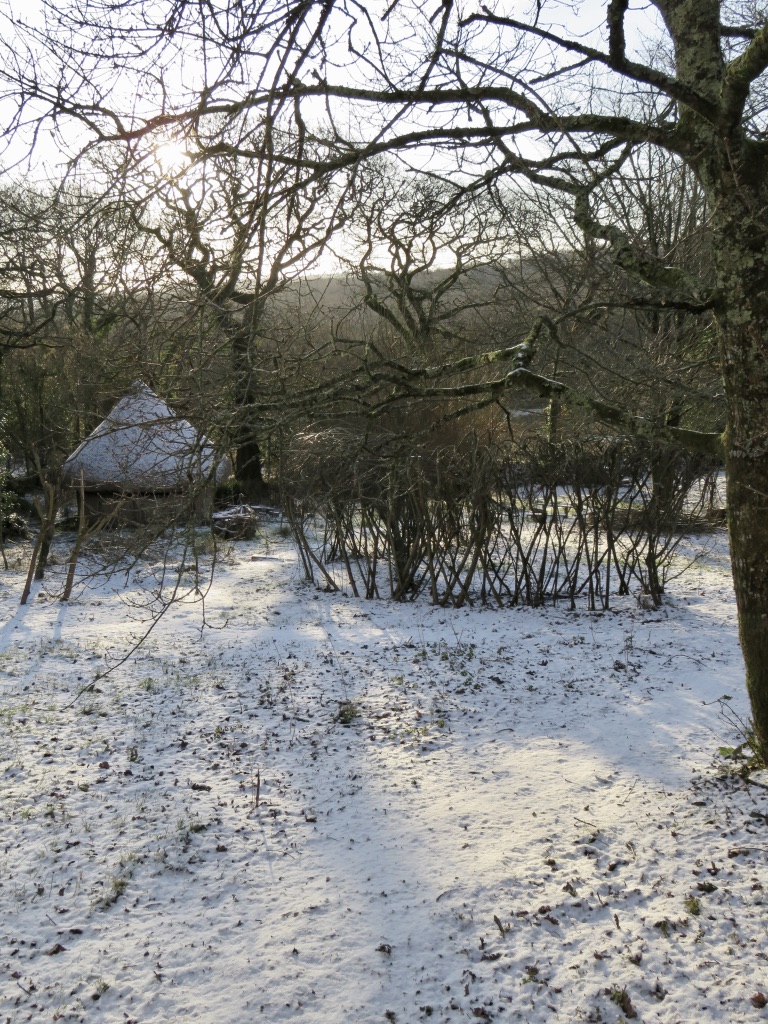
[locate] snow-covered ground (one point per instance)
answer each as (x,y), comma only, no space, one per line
(323,809)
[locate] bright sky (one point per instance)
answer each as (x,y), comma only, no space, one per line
(583,20)
(580,19)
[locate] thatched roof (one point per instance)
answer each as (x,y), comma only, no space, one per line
(143,446)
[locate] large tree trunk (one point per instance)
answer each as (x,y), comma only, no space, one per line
(748,526)
(743,322)
(747,471)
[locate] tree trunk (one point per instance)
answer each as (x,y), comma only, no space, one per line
(748,527)
(743,324)
(554,410)
(248,456)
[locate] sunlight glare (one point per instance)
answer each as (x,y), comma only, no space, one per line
(171,156)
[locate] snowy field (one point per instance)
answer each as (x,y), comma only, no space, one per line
(322,809)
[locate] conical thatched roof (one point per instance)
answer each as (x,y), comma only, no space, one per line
(143,446)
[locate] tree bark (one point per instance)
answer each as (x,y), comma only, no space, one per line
(748,528)
(248,457)
(743,326)
(248,453)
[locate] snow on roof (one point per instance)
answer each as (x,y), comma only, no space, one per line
(143,446)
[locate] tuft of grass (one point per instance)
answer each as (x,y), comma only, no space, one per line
(115,890)
(747,757)
(620,996)
(693,905)
(347,713)
(100,988)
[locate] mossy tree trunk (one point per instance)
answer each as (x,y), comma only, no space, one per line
(743,330)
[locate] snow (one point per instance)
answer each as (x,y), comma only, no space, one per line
(319,808)
(143,445)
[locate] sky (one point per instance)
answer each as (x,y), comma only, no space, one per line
(52,150)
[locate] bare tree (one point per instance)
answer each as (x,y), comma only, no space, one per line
(425,253)
(614,340)
(236,227)
(82,289)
